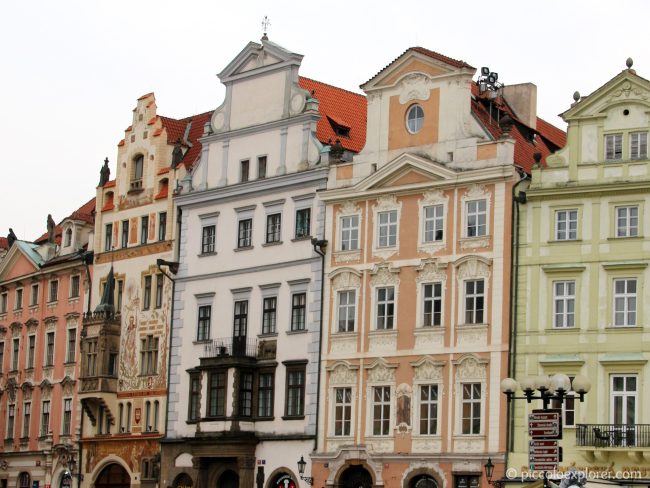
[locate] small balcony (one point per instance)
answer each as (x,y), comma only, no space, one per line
(237,350)
(98,384)
(613,436)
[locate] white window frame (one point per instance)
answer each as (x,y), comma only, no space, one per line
(626,296)
(207,220)
(245,213)
(19,303)
(46,362)
(433,300)
(204,299)
(209,241)
(418,405)
(563,297)
(372,403)
(274,209)
(347,307)
(4,302)
(563,405)
(478,213)
(271,290)
(414,124)
(624,394)
(612,143)
(391,226)
(346,244)
(336,405)
(566,216)
(630,227)
(639,145)
(386,302)
(474,296)
(437,221)
(472,401)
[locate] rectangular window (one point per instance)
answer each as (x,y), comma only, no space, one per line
(432,296)
(564,304)
(120,291)
(149,355)
(54,291)
(91,358)
(623,399)
(240,322)
(11,414)
(49,349)
(162,225)
(265,395)
(244,170)
(342,411)
(245,394)
(614,147)
(303,222)
(27,417)
(269,315)
(625,302)
(380,410)
(385,307)
(295,392)
(566,225)
(31,352)
(434,222)
(244,235)
(195,398)
(273,227)
(67,416)
(4,300)
(34,299)
(19,299)
(125,233)
(471,408)
(16,351)
(627,221)
(208,239)
(476,218)
(45,418)
(350,233)
(387,229)
(568,407)
(346,310)
(474,301)
(261,167)
(298,311)
(217,394)
(638,145)
(428,409)
(159,290)
(72,346)
(74,286)
(144,229)
(466,481)
(108,237)
(203,327)
(146,293)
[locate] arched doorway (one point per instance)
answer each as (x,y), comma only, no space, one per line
(355,477)
(183,480)
(113,476)
(66,480)
(24,480)
(423,481)
(283,480)
(228,479)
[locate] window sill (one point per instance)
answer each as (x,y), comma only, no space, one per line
(204,341)
(206,254)
(561,330)
(293,417)
(52,303)
(434,328)
(563,241)
(213,419)
(271,244)
(378,332)
(267,335)
(263,419)
(473,326)
(299,239)
(245,248)
(625,238)
(623,328)
(295,332)
(345,333)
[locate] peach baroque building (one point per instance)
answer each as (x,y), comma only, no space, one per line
(416,301)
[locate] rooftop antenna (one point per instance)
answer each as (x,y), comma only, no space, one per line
(265,27)
(489,82)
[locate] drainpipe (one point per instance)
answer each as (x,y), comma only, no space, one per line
(319,245)
(517,198)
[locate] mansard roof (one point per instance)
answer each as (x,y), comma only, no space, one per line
(344,108)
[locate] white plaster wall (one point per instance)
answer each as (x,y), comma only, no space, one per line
(257,100)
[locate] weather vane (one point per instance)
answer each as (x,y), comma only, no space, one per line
(265,25)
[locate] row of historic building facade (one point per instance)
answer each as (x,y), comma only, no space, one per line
(306,273)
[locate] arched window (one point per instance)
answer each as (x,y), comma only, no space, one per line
(68,237)
(24,481)
(414,119)
(138,167)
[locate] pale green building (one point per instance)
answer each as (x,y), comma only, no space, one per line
(583,281)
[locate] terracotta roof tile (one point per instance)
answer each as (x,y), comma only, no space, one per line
(84,213)
(344,107)
(4,244)
(110,184)
(163,171)
(152,121)
(121,143)
(163,192)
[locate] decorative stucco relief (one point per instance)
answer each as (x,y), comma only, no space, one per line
(426,369)
(343,374)
(473,267)
(414,86)
(384,275)
(426,444)
(431,270)
(471,368)
(343,279)
(343,345)
(381,372)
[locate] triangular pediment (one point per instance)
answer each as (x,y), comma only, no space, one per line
(21,260)
(256,58)
(407,170)
(625,88)
(411,63)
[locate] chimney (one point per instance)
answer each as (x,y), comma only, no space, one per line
(522,98)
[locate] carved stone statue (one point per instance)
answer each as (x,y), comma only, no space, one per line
(50,228)
(104,173)
(177,154)
(11,237)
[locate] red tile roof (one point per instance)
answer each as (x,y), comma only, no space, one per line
(110,184)
(84,213)
(4,244)
(176,130)
(344,107)
(432,54)
(547,138)
(145,96)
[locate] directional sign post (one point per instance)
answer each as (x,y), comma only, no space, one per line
(543,455)
(544,428)
(545,424)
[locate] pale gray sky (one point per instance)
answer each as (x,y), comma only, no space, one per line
(73,70)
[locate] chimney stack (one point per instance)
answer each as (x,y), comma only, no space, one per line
(522,98)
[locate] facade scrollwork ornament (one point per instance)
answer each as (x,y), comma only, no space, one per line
(426,369)
(381,372)
(345,278)
(343,374)
(387,202)
(471,367)
(473,267)
(477,191)
(27,390)
(414,87)
(15,329)
(31,325)
(349,208)
(384,274)
(431,270)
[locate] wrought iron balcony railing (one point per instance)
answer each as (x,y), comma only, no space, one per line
(236,347)
(613,435)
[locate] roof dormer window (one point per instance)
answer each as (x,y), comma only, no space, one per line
(68,238)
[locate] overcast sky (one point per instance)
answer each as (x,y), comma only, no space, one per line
(73,70)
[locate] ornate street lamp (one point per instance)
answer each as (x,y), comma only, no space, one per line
(301,470)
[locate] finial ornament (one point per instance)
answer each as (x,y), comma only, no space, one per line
(629,62)
(265,27)
(576,96)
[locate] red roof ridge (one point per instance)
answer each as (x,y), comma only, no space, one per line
(333,86)
(145,96)
(459,63)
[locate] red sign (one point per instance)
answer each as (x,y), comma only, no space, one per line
(545,424)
